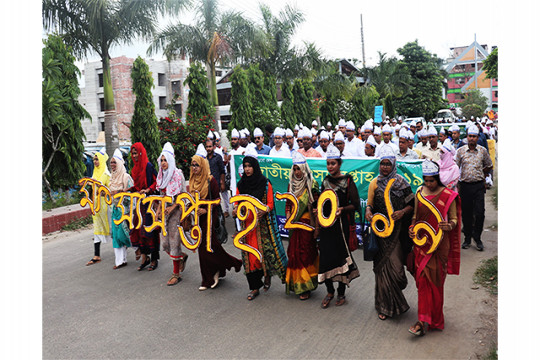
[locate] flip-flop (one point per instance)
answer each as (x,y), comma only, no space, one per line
(119,266)
(92,262)
(326,301)
(305,295)
(252,295)
(420,332)
(382,317)
(341,300)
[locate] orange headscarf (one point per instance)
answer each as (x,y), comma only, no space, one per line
(200,181)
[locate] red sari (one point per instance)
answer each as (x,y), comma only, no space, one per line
(430,269)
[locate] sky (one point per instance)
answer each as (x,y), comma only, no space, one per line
(334,26)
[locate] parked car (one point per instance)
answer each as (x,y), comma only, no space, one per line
(445,115)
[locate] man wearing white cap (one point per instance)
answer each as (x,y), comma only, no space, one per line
(404,152)
(236,149)
(324,141)
(387,137)
(314,125)
(307,150)
(474,164)
(218,148)
(410,136)
(328,126)
(377,134)
(455,140)
(423,140)
(339,143)
(353,145)
(279,149)
(371,145)
(290,140)
(341,125)
(419,127)
(314,139)
(261,147)
(433,152)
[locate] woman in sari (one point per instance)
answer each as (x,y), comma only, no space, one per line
(102,228)
(430,270)
(265,236)
(144,176)
(171,182)
(336,263)
(390,278)
(212,264)
(302,253)
(449,171)
(120,181)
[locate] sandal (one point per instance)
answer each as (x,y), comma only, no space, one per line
(153,266)
(93,261)
(137,254)
(382,316)
(305,295)
(119,266)
(267,283)
(326,301)
(175,279)
(341,300)
(144,264)
(253,294)
(420,332)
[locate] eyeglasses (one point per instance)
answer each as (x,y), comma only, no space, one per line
(277,137)
(195,165)
(258,137)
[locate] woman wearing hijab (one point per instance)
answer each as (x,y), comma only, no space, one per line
(171,182)
(336,263)
(212,264)
(265,236)
(144,176)
(102,229)
(449,171)
(120,181)
(302,253)
(430,270)
(390,278)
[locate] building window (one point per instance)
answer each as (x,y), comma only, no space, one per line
(161,79)
(162,102)
(102,104)
(460,80)
(175,87)
(218,72)
(102,126)
(178,110)
(100,80)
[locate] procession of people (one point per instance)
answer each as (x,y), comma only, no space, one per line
(456,171)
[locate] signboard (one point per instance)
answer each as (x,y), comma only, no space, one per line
(378,117)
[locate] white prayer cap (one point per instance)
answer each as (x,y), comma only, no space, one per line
(201,151)
(289,132)
(447,145)
(243,134)
(296,127)
(332,152)
(368,125)
(217,135)
(489,122)
(410,134)
(279,132)
(250,150)
(386,129)
(324,135)
(339,137)
(257,132)
(336,127)
(313,131)
(472,130)
(442,131)
(329,124)
(387,152)
(349,125)
(363,128)
(371,141)
(235,134)
(298,158)
(405,125)
(472,117)
(431,131)
(403,134)
(429,168)
(400,118)
(103,151)
(422,133)
(118,155)
(454,127)
(168,148)
(314,122)
(342,122)
(377,130)
(477,118)
(387,117)
(210,135)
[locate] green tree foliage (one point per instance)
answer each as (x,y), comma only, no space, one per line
(389,106)
(328,110)
(144,123)
(363,102)
(95,26)
(491,64)
(390,76)
(425,96)
(264,109)
(472,110)
(256,88)
(241,108)
(62,134)
(475,96)
(302,103)
(270,94)
(199,101)
(288,115)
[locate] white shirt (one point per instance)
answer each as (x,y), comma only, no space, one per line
(390,143)
(282,152)
(353,146)
(321,151)
(239,151)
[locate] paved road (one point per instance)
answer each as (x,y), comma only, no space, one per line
(97,312)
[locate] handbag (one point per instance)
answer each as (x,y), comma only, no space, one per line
(371,247)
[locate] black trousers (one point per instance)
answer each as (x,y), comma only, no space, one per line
(472,209)
(255,279)
(330,287)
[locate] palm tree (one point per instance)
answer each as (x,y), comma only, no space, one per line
(216,37)
(94,26)
(389,77)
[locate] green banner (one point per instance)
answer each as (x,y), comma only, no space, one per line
(277,170)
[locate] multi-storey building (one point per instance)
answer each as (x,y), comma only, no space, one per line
(465,73)
(168,80)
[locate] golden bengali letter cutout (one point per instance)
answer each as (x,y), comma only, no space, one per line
(422,225)
(156,222)
(290,224)
(137,197)
(327,195)
(247,204)
(98,190)
(387,221)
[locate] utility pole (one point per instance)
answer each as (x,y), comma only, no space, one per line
(475,64)
(363,51)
